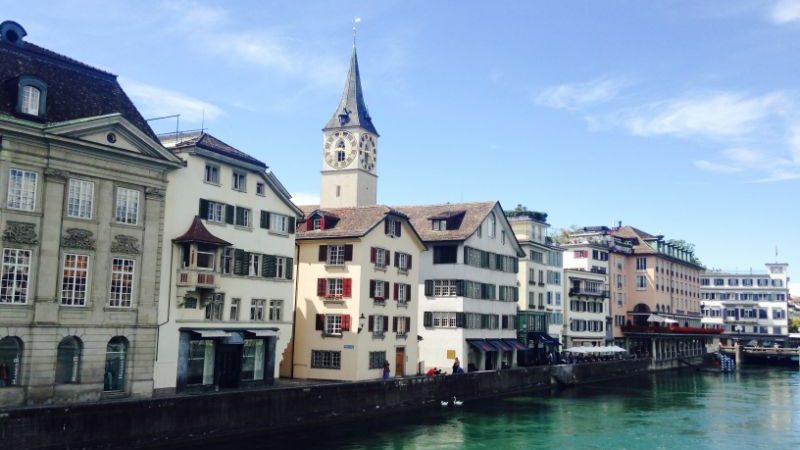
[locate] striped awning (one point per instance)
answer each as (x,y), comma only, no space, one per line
(480,345)
(515,344)
(500,345)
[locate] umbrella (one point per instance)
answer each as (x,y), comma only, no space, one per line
(656,318)
(616,349)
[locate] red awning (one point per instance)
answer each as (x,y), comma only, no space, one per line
(197,232)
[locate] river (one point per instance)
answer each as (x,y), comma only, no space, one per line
(757,408)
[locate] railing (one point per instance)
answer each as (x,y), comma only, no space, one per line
(194,278)
(671,329)
(589,293)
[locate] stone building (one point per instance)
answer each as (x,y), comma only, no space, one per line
(82,183)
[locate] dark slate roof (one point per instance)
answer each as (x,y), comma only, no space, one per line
(352,103)
(421,216)
(74,90)
(209,142)
(198,232)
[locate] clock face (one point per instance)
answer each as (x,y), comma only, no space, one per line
(367,151)
(340,149)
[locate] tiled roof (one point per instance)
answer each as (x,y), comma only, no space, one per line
(352,222)
(352,105)
(74,90)
(474,214)
(209,142)
(632,232)
(198,232)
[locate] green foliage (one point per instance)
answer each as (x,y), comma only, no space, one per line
(794,325)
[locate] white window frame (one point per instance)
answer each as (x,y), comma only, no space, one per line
(641,282)
(377,324)
(380,257)
(31,96)
(275,312)
(216,212)
(378,289)
(70,297)
(80,198)
(126,210)
(257,309)
(402,293)
(401,325)
(442,319)
(333,324)
(280,267)
(335,255)
(239,181)
(22,186)
(252,265)
(261,189)
(279,223)
(334,287)
(211,174)
(402,261)
(212,257)
(641,263)
(236,304)
(15,272)
(123,272)
(444,288)
(492,225)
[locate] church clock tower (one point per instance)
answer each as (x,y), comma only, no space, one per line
(350,148)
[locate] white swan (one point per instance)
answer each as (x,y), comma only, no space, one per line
(457,402)
(445,403)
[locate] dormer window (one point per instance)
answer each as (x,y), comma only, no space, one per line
(318,223)
(32,96)
(492,225)
(439,224)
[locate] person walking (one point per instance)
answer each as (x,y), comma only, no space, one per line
(456,365)
(387,373)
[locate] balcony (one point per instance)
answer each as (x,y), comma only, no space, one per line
(197,279)
(576,292)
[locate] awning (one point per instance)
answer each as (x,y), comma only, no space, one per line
(517,345)
(480,345)
(544,338)
(264,333)
(658,319)
(500,345)
(213,333)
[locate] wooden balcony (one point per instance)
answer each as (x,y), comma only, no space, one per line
(197,279)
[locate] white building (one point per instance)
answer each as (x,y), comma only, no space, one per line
(227,290)
(749,305)
(468,285)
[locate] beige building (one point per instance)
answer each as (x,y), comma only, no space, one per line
(225,310)
(82,181)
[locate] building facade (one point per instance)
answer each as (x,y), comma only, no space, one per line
(225,310)
(749,306)
(82,178)
(468,286)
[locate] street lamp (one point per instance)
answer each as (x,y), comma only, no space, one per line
(361,322)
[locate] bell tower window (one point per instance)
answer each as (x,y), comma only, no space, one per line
(341,155)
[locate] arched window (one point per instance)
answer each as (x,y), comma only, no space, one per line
(32,96)
(30,100)
(116,355)
(68,360)
(492,225)
(10,358)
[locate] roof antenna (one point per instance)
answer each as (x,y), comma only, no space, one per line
(356,20)
(203,122)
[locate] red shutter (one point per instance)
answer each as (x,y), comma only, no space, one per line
(396,289)
(394,324)
(322,285)
(345,322)
(385,323)
(320,322)
(347,288)
(408,264)
(372,252)
(371,324)
(322,223)
(323,253)
(371,288)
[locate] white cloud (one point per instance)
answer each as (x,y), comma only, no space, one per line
(723,114)
(794,289)
(715,167)
(785,11)
(303,198)
(574,96)
(153,101)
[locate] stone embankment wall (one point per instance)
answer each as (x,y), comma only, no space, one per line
(165,420)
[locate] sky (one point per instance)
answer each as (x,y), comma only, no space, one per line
(679,117)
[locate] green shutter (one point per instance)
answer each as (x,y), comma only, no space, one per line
(239,262)
(270,266)
(289,267)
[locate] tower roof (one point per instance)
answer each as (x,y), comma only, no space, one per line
(352,111)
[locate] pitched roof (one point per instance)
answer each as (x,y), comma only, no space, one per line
(421,217)
(630,232)
(352,111)
(198,232)
(352,222)
(74,90)
(204,140)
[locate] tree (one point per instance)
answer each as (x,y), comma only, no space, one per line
(794,325)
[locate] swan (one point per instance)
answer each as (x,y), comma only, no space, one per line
(457,402)
(445,403)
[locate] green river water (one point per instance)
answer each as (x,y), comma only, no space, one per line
(757,408)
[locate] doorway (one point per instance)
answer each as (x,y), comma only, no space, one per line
(229,365)
(400,362)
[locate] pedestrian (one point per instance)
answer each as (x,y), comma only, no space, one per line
(386,371)
(456,365)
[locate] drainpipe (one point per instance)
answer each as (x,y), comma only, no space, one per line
(294,314)
(169,296)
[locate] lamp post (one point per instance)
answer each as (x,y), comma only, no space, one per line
(361,322)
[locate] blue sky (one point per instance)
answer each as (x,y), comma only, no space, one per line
(679,117)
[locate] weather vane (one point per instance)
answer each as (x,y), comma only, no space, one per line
(356,20)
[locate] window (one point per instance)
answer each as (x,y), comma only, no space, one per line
(317,223)
(278,223)
(206,256)
(719,282)
(252,265)
(403,293)
(200,368)
(380,257)
(281,267)
(75,280)
(80,199)
(335,255)
(502,236)
(333,324)
(376,360)
(326,359)
(261,188)
(553,277)
(393,227)
(445,254)
(275,307)
(227,260)
(555,259)
(439,224)
(22,189)
(335,288)
(378,324)
(243,217)
(211,174)
(10,358)
(492,225)
(378,289)
(403,261)
(444,288)
(253,359)
(214,306)
(122,271)
(257,307)
(127,206)
(30,100)
(116,356)
(733,281)
(239,181)
(215,211)
(536,256)
(444,319)
(68,361)
(641,263)
(641,282)
(763,282)
(745,282)
(15,276)
(234,312)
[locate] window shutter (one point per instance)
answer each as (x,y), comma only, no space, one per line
(320,322)
(264,219)
(239,216)
(239,262)
(466,254)
(396,290)
(388,257)
(323,253)
(460,320)
(428,288)
(229,212)
(345,322)
(394,324)
(408,324)
(348,252)
(386,289)
(372,252)
(203,209)
(322,285)
(371,323)
(385,323)
(371,288)
(322,223)
(289,268)
(397,259)
(386,226)
(291,225)
(270,266)
(408,259)
(505,321)
(408,293)
(459,288)
(347,288)
(516,265)
(427,319)
(399,229)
